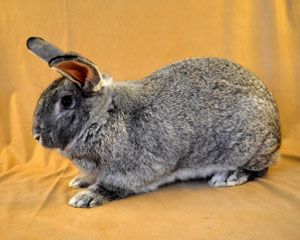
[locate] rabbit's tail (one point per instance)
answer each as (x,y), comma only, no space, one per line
(260,163)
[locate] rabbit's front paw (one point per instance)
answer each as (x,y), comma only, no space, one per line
(82,181)
(87,199)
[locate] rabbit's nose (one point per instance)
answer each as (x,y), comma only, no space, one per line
(37,137)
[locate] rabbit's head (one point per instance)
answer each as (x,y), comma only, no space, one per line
(65,106)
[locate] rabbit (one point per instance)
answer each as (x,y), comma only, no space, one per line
(196,118)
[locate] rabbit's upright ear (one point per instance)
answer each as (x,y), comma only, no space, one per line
(80,70)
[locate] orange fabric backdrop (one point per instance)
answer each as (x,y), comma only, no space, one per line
(130,39)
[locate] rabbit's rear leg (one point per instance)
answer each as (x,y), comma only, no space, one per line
(82,181)
(234,178)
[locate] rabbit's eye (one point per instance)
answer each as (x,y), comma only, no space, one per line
(68,102)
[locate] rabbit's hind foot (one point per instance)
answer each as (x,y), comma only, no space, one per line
(234,178)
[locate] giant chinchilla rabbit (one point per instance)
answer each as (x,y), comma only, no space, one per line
(202,117)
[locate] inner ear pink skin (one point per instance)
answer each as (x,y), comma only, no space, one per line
(76,70)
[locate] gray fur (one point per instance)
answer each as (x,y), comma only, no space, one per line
(43,49)
(194,118)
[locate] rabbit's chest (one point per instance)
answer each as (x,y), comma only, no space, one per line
(86,166)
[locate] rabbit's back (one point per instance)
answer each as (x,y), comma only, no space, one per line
(208,78)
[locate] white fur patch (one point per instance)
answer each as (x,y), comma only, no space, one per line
(106,80)
(185,174)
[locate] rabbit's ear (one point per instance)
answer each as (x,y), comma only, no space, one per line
(43,49)
(80,70)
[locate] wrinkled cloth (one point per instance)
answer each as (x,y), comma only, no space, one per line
(33,205)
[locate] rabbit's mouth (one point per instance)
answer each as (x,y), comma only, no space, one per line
(44,141)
